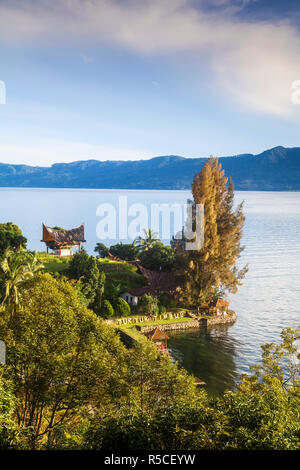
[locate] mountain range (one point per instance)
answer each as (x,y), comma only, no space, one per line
(276,169)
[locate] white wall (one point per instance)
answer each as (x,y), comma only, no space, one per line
(131,299)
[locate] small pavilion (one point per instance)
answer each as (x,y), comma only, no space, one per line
(62,241)
(160,339)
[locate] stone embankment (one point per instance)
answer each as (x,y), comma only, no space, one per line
(196,322)
(169,326)
(228,318)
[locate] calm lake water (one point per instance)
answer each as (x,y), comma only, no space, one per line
(268,301)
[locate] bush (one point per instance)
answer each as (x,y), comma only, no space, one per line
(148,304)
(162,309)
(122,308)
(106,310)
(166,300)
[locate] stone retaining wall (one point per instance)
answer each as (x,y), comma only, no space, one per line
(126,338)
(230,317)
(169,326)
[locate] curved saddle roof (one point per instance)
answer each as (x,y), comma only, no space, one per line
(73,236)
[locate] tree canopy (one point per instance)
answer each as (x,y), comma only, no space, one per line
(11,237)
(215,264)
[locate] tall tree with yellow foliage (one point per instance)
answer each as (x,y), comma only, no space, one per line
(214,265)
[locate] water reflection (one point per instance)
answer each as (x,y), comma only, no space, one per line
(208,353)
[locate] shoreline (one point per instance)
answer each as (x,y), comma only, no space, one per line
(229,318)
(140,331)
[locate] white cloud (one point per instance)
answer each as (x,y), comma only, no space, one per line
(48,152)
(253,63)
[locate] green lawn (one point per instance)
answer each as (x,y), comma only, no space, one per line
(163,321)
(131,331)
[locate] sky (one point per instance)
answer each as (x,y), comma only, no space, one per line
(134,79)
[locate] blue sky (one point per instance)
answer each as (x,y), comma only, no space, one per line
(134,79)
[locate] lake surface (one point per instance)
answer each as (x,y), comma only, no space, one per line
(268,301)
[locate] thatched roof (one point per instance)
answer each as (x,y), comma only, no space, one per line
(64,237)
(159,335)
(198,382)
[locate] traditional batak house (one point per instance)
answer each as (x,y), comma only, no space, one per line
(158,282)
(62,241)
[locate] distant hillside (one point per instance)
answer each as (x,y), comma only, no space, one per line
(277,169)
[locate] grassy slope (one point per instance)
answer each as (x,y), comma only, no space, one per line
(118,272)
(53,264)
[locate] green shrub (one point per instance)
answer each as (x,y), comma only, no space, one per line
(148,304)
(162,309)
(122,309)
(167,300)
(106,310)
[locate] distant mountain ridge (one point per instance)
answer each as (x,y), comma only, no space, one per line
(276,169)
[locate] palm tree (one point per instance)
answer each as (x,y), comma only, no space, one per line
(147,241)
(15,268)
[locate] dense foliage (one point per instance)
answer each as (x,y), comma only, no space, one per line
(262,414)
(125,251)
(148,304)
(69,383)
(11,237)
(214,265)
(159,257)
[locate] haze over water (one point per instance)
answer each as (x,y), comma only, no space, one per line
(267,302)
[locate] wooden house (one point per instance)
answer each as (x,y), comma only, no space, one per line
(62,241)
(158,282)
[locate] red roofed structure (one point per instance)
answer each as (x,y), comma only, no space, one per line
(158,282)
(160,338)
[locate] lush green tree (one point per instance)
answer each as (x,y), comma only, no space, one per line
(15,268)
(91,280)
(167,300)
(147,240)
(214,265)
(99,292)
(112,290)
(59,357)
(264,411)
(153,385)
(107,309)
(161,411)
(125,251)
(148,304)
(79,265)
(101,249)
(122,309)
(159,257)
(11,237)
(12,436)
